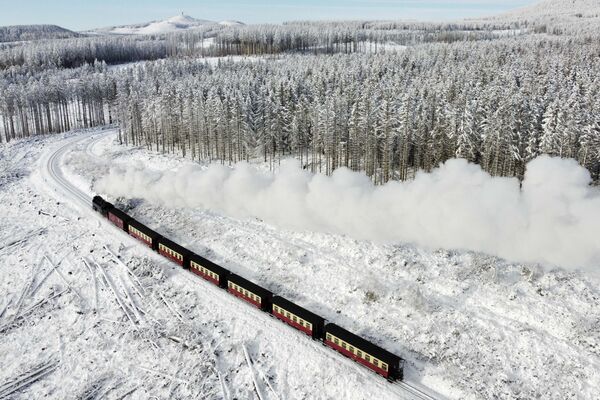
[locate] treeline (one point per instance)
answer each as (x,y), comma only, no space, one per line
(498,104)
(363,36)
(73,53)
(55,101)
(325,37)
(34,32)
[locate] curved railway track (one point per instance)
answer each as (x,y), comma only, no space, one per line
(53,175)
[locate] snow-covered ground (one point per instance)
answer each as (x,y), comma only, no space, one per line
(469,325)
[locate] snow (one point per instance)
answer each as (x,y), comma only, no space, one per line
(387,47)
(554,11)
(560,7)
(231,23)
(173,24)
(471,326)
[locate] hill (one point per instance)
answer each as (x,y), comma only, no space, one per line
(564,10)
(231,23)
(17,33)
(572,8)
(174,24)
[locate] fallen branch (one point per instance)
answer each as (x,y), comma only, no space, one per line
(121,263)
(55,268)
(174,378)
(259,392)
(175,312)
(95,282)
(117,297)
(28,378)
(30,309)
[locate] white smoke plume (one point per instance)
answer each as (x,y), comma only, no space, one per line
(553,219)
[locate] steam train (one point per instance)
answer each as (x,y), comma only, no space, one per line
(350,345)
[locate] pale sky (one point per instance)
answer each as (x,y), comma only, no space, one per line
(87,14)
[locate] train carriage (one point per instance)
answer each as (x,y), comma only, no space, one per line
(364,352)
(208,270)
(144,234)
(298,317)
(119,218)
(249,292)
(174,252)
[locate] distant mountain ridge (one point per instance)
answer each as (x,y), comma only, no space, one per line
(174,24)
(17,33)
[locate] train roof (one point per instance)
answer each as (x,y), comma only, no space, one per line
(296,309)
(173,246)
(362,344)
(138,225)
(208,264)
(251,286)
(120,214)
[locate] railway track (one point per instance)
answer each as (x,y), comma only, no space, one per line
(55,177)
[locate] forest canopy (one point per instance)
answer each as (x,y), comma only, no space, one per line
(385,98)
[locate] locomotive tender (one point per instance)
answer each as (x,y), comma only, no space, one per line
(350,345)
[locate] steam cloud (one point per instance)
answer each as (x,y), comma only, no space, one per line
(554,218)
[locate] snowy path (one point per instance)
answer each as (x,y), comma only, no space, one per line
(277,333)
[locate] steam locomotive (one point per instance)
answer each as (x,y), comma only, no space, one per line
(350,345)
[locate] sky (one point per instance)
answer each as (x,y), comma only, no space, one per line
(88,14)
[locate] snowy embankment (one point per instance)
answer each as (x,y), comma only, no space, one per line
(470,325)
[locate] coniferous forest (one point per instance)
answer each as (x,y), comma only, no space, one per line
(385,98)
